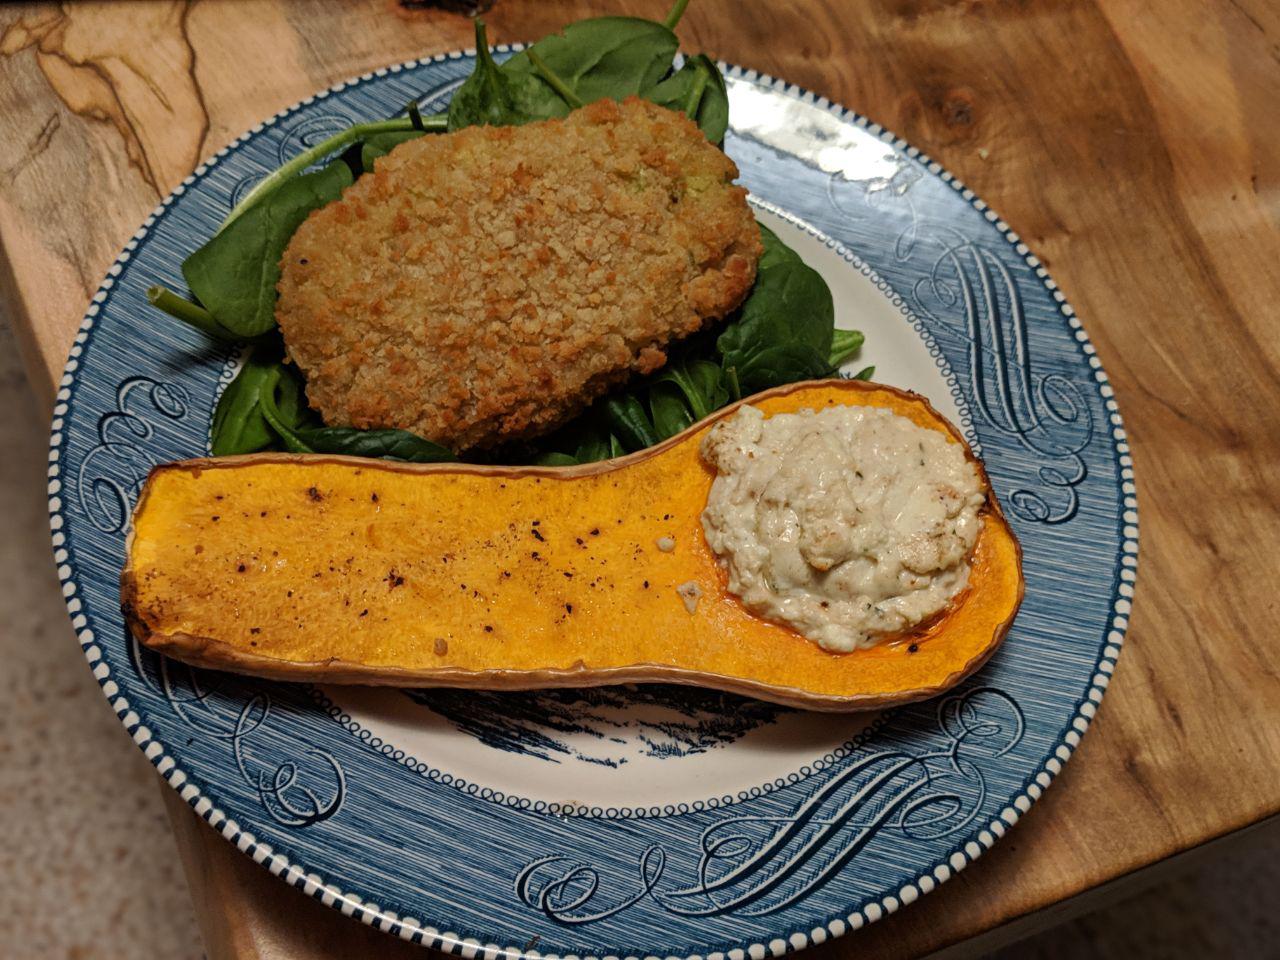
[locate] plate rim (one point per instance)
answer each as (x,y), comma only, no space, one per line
(407,928)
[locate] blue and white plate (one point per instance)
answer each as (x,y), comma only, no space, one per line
(636,821)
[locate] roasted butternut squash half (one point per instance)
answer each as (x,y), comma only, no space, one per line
(348,570)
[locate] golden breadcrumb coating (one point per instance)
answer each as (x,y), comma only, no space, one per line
(488,284)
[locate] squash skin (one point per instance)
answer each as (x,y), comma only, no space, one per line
(455,556)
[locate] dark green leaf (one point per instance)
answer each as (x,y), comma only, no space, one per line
(593,446)
(866,373)
(616,449)
(784,330)
(336,144)
(494,96)
(283,410)
(238,424)
(697,89)
(352,157)
(701,383)
(613,57)
(553,459)
(775,251)
(629,423)
(670,412)
(291,400)
(782,363)
(392,444)
(234,275)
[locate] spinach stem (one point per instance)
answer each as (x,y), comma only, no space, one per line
(677,11)
(556,84)
(735,389)
(321,150)
(482,41)
(270,413)
(188,312)
(692,101)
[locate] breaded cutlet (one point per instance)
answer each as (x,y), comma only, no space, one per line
(486,285)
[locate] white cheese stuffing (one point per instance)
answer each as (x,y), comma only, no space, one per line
(846,525)
(666,544)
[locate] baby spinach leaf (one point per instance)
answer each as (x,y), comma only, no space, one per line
(844,344)
(700,383)
(784,330)
(494,96)
(389,444)
(613,57)
(775,251)
(301,438)
(593,445)
(553,80)
(291,400)
(779,364)
(698,90)
(629,422)
(670,413)
(234,275)
(239,423)
(553,459)
(584,440)
(589,60)
(686,391)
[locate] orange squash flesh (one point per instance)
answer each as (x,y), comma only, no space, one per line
(348,570)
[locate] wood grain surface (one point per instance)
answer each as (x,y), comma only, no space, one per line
(1135,146)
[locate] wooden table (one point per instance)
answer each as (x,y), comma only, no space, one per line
(1136,147)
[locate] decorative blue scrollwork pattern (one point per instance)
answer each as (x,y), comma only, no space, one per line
(285,787)
(755,865)
(970,294)
(1047,415)
(107,485)
(113,471)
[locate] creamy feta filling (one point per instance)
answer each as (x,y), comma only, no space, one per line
(847,524)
